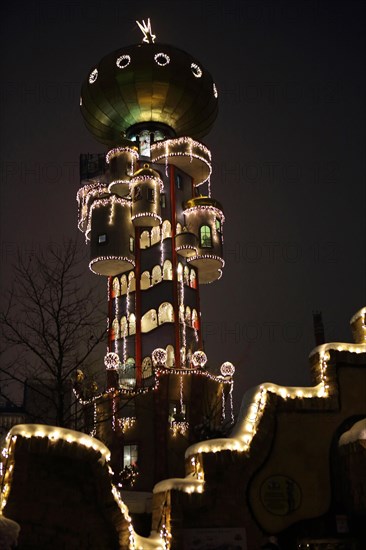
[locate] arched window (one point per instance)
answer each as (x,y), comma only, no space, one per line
(123,284)
(168,271)
(145,239)
(127,378)
(146,367)
(186,275)
(124,331)
(145,280)
(188,315)
(155,235)
(180,271)
(132,281)
(132,324)
(115,287)
(166,313)
(156,275)
(205,236)
(170,356)
(149,321)
(115,329)
(179,228)
(192,279)
(195,322)
(166,229)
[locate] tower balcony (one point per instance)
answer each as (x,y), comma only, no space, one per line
(192,157)
(209,267)
(122,162)
(186,244)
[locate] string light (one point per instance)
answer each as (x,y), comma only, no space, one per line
(119,151)
(196,70)
(199,359)
(123,61)
(159,357)
(111,361)
(185,147)
(107,258)
(126,423)
(162,59)
(93,76)
(227,369)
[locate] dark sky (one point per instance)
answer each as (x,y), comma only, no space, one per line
(288,151)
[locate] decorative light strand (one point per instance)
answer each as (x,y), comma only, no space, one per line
(120,150)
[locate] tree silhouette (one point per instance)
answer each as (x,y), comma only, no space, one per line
(51,325)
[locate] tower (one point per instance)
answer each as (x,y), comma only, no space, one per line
(156,234)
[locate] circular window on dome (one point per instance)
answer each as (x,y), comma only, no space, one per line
(123,61)
(196,70)
(215,91)
(93,76)
(162,59)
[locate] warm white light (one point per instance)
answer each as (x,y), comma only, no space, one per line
(123,61)
(93,76)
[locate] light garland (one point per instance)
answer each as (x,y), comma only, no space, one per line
(206,208)
(106,258)
(199,359)
(227,369)
(111,361)
(159,356)
(196,70)
(182,147)
(93,432)
(159,56)
(84,196)
(206,257)
(118,151)
(179,427)
(93,76)
(123,61)
(126,423)
(147,215)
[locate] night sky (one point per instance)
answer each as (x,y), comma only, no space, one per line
(288,153)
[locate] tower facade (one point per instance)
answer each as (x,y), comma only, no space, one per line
(156,234)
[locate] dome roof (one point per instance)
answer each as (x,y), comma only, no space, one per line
(148,83)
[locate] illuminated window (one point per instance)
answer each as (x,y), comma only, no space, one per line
(166,229)
(145,280)
(144,142)
(149,321)
(170,356)
(168,271)
(132,324)
(205,236)
(132,244)
(163,200)
(192,279)
(156,275)
(147,367)
(123,284)
(115,287)
(130,455)
(102,239)
(155,235)
(166,313)
(115,329)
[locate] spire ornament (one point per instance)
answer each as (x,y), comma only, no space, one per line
(145,28)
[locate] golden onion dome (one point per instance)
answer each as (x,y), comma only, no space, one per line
(146,171)
(203,201)
(148,83)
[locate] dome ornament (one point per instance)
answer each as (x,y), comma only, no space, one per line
(145,28)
